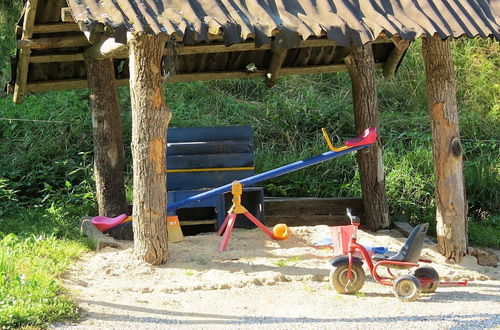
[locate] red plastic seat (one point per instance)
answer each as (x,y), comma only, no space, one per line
(369,136)
(104,223)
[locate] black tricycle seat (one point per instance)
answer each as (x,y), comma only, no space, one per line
(410,252)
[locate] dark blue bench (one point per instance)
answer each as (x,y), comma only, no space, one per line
(202,158)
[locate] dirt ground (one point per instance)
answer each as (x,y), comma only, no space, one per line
(264,283)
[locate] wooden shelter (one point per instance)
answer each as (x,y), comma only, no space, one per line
(101,44)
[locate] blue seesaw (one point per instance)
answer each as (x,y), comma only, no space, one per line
(367,138)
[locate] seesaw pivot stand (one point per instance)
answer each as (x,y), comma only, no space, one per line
(234,211)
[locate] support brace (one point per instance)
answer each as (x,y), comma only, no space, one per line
(237,208)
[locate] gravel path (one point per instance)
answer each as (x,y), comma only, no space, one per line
(294,305)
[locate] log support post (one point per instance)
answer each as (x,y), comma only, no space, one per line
(451,205)
(24,54)
(360,65)
(150,118)
(107,134)
(275,67)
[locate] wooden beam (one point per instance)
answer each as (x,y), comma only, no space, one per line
(93,36)
(320,69)
(118,50)
(56,27)
(312,205)
(274,67)
(55,85)
(300,219)
(391,64)
(24,54)
(51,58)
(107,48)
(197,222)
(240,47)
(66,15)
(53,42)
(201,76)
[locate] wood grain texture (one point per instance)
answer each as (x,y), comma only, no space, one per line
(371,167)
(451,204)
(107,136)
(150,118)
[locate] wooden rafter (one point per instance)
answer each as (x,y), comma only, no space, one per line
(391,64)
(81,41)
(53,42)
(24,54)
(56,27)
(66,15)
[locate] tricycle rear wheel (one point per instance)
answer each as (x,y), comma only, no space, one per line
(428,277)
(340,282)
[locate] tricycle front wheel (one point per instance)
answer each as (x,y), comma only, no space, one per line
(407,288)
(340,282)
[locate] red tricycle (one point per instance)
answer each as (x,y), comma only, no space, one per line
(348,276)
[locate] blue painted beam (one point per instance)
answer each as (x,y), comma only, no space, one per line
(264,176)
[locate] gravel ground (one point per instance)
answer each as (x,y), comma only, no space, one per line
(295,305)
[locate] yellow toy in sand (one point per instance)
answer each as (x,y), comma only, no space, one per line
(281,231)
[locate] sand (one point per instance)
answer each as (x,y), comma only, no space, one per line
(251,260)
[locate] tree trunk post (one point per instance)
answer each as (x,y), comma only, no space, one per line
(360,65)
(150,118)
(451,205)
(108,141)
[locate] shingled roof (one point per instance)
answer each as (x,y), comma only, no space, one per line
(219,39)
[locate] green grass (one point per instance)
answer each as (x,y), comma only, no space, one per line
(486,233)
(286,262)
(29,269)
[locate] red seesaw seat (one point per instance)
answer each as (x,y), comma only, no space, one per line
(104,223)
(369,136)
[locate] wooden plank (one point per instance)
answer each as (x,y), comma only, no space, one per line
(54,85)
(121,50)
(198,222)
(107,48)
(214,76)
(310,206)
(66,15)
(53,42)
(51,58)
(248,46)
(56,27)
(240,47)
(307,220)
(24,54)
